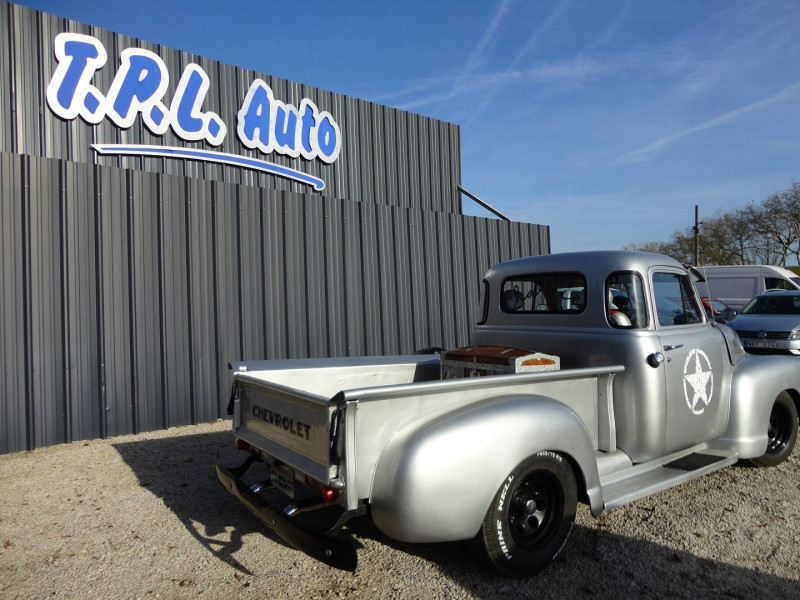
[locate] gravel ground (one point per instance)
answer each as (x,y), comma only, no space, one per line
(144,517)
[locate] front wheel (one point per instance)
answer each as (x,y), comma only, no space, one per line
(781,434)
(531,516)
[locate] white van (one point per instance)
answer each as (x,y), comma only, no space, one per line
(736,285)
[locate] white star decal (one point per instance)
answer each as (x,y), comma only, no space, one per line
(698,381)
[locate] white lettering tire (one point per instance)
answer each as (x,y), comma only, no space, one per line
(531,516)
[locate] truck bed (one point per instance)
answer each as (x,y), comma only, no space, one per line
(330,418)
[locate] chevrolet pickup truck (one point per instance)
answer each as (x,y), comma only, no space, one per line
(592,377)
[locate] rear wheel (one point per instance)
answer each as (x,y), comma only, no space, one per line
(781,434)
(531,515)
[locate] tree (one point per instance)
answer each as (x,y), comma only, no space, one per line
(778,221)
(680,247)
(766,232)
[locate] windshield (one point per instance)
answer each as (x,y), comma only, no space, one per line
(773,305)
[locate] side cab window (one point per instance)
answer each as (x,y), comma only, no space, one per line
(676,303)
(626,306)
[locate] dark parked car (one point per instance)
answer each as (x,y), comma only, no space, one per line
(770,323)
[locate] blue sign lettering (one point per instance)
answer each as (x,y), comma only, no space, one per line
(137,92)
(269,125)
(140,84)
(190,122)
(70,93)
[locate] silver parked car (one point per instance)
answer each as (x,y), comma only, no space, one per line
(770,323)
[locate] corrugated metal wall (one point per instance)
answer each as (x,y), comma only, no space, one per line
(126,293)
(129,283)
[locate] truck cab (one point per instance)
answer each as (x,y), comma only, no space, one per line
(637,309)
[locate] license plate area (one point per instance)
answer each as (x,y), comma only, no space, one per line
(282,478)
(760,344)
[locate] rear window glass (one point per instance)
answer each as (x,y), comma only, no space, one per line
(544,293)
(773,305)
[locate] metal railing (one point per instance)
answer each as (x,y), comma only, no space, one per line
(485,205)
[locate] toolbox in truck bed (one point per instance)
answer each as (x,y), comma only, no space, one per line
(477,361)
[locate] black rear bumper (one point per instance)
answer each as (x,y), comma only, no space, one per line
(333,550)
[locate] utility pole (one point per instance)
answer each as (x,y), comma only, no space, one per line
(696,229)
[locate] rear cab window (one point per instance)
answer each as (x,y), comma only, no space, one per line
(553,293)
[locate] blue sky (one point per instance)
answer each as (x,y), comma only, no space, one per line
(607,120)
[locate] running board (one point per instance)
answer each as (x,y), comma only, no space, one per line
(645,479)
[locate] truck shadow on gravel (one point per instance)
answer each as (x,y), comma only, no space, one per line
(180,472)
(598,562)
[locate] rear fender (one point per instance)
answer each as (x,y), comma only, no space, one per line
(435,479)
(757,381)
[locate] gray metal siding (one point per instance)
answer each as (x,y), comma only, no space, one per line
(126,293)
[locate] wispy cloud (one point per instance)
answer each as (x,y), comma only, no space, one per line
(643,153)
(440,89)
(476,58)
(567,72)
(473,75)
(611,29)
(475,78)
(533,40)
(536,35)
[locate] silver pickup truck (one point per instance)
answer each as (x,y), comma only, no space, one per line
(593,377)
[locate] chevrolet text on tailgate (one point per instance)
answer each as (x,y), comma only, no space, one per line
(593,377)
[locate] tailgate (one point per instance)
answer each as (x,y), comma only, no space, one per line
(291,425)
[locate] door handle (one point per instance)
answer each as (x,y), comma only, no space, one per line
(656,359)
(668,347)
